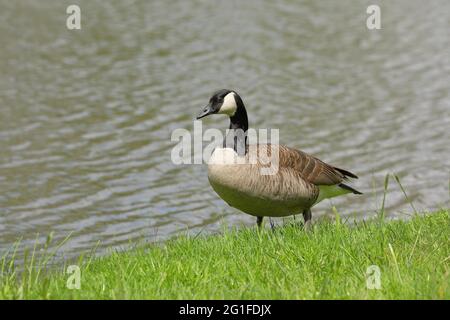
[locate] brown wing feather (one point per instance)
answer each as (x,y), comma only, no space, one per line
(312,169)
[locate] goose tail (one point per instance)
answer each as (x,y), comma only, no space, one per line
(347,174)
(346,187)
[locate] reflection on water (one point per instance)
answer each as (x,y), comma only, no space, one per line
(86,116)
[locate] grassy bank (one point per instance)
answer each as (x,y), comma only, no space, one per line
(329,262)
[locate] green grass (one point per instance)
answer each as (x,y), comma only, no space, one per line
(330,262)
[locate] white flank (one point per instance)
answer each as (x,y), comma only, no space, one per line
(327,192)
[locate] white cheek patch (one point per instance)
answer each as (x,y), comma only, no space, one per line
(229,105)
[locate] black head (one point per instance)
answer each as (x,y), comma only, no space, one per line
(222,102)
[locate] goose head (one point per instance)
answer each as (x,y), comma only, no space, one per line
(229,103)
(221,102)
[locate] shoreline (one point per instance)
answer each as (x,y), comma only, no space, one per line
(375,259)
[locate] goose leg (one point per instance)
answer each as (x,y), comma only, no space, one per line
(307,216)
(259,221)
(272,224)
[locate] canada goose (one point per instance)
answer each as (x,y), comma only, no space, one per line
(300,182)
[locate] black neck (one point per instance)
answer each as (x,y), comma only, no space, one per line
(239,120)
(237,136)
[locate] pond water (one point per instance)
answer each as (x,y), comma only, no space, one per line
(87,115)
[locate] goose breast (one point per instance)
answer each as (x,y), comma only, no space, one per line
(240,182)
